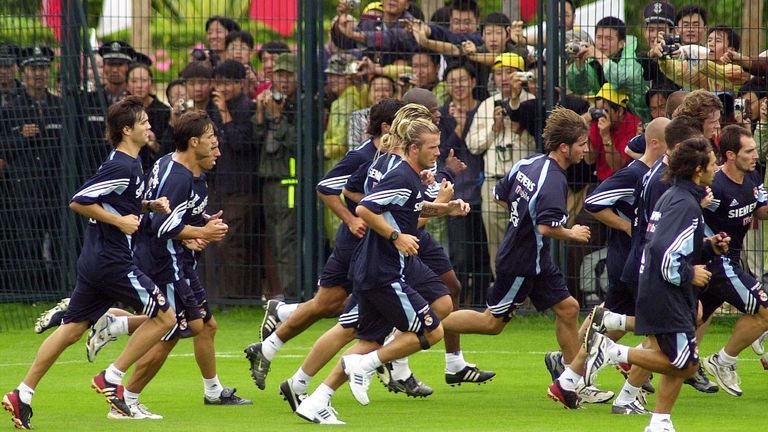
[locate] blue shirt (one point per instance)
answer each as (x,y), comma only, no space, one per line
(617,193)
(399,198)
(535,191)
(647,193)
(198,204)
(118,187)
(158,254)
(334,180)
(732,207)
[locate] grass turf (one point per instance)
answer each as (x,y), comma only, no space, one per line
(514,400)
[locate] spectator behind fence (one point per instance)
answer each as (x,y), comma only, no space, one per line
(462,25)
(658,17)
(9,84)
(176,94)
(117,56)
(380,87)
(691,23)
(197,78)
(382,38)
(610,131)
(267,56)
(233,188)
(425,66)
(141,84)
(275,133)
(240,48)
(610,60)
(30,146)
(217,28)
(656,98)
(467,241)
(501,142)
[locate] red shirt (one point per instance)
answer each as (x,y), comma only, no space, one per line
(620,137)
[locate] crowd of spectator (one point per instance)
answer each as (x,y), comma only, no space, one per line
(484,69)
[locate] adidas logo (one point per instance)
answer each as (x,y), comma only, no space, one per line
(734,203)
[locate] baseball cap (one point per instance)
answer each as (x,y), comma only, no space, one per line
(285,62)
(511,60)
(609,93)
(338,64)
(659,12)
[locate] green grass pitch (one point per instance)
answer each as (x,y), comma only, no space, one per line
(514,401)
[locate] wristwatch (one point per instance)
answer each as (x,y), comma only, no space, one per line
(394,235)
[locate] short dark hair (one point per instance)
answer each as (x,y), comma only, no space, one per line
(229,69)
(690,10)
(495,19)
(434,58)
(390,80)
(243,36)
(191,124)
(138,65)
(563,126)
(466,5)
(273,47)
(172,84)
(383,112)
(459,65)
(197,70)
(613,23)
(734,40)
(441,17)
(124,113)
(226,22)
(730,139)
(755,85)
(680,129)
(688,155)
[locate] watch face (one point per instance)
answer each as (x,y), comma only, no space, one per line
(393,236)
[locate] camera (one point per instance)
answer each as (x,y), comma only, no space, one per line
(353,68)
(739,104)
(199,54)
(671,43)
(501,103)
(572,48)
(185,104)
(596,113)
(278,97)
(407,78)
(352,4)
(526,76)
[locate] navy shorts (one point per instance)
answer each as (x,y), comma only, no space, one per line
(680,348)
(545,290)
(336,270)
(396,305)
(183,301)
(432,254)
(418,276)
(621,297)
(731,284)
(92,299)
(201,298)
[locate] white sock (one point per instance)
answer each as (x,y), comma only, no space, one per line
(300,381)
(724,359)
(324,393)
(454,362)
(212,387)
(131,398)
(114,375)
(25,393)
(569,379)
(271,346)
(119,326)
(658,419)
(400,369)
(627,395)
(284,310)
(371,361)
(615,321)
(616,352)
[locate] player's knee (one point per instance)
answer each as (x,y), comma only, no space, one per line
(330,303)
(496,325)
(689,371)
(434,336)
(442,307)
(166,319)
(210,327)
(72,332)
(567,309)
(196,326)
(452,283)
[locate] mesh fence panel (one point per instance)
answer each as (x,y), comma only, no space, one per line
(76,58)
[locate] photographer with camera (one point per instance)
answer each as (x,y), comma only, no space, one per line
(275,134)
(501,141)
(612,126)
(659,17)
(610,60)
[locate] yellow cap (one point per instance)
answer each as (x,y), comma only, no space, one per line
(374,6)
(511,60)
(610,94)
